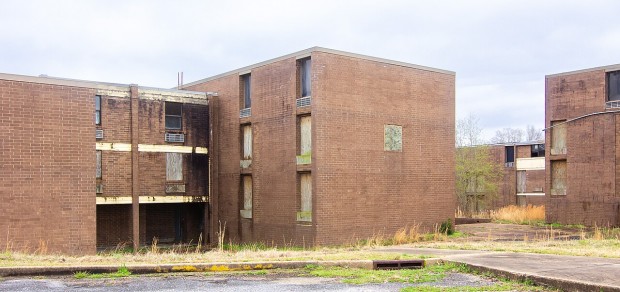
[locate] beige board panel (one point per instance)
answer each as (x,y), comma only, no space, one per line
(521,181)
(174,166)
(164,148)
(305,126)
(558,177)
(247,142)
(306,192)
(247,192)
(535,163)
(558,137)
(124,147)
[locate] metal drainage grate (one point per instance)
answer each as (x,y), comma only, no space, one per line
(397,264)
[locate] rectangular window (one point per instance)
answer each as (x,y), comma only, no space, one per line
(97,110)
(174,166)
(246,131)
(305,190)
(538,150)
(246,93)
(305,81)
(558,177)
(174,115)
(98,164)
(613,85)
(305,135)
(510,154)
(558,137)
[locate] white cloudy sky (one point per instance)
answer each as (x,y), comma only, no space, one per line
(501,50)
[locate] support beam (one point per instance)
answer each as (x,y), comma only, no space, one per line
(135,183)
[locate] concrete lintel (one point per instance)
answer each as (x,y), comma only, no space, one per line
(120,200)
(164,148)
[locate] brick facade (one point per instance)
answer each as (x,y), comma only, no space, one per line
(358,188)
(590,194)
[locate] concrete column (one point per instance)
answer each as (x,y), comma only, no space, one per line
(135,186)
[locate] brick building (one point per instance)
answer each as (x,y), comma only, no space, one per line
(316,147)
(582,121)
(522,181)
(326,147)
(88,164)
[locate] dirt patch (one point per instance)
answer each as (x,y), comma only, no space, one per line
(515,232)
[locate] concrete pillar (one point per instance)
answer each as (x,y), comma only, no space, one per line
(135,186)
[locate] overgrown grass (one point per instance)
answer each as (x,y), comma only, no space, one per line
(519,214)
(120,273)
(364,276)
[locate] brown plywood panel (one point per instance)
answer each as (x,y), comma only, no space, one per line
(306,192)
(305,125)
(558,177)
(558,138)
(247,192)
(521,181)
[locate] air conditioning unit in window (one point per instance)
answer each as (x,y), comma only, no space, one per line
(99,134)
(175,138)
(99,189)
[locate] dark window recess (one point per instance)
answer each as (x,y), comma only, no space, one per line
(510,154)
(304,77)
(247,94)
(613,85)
(538,150)
(97,110)
(174,114)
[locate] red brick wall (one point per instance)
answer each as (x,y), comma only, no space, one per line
(592,151)
(47,173)
(113,228)
(360,189)
(507,184)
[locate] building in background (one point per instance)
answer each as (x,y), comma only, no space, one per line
(88,164)
(328,147)
(522,181)
(582,122)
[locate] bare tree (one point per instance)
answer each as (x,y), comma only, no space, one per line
(468,131)
(508,135)
(533,134)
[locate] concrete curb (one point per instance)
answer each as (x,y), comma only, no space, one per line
(562,284)
(181,267)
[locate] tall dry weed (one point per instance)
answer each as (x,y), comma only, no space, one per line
(519,214)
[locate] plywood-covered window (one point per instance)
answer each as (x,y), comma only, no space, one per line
(521,181)
(174,166)
(246,131)
(558,177)
(393,138)
(98,175)
(246,191)
(305,189)
(558,137)
(305,135)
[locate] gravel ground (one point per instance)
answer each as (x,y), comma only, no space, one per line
(221,282)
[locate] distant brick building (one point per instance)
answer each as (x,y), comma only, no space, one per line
(316,147)
(325,147)
(582,122)
(523,177)
(88,164)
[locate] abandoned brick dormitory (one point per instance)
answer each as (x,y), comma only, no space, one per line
(315,147)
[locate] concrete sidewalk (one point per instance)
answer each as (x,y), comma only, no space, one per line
(569,273)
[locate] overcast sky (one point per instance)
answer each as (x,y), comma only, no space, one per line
(500,50)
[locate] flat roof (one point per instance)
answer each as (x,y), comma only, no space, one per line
(44,79)
(607,68)
(307,52)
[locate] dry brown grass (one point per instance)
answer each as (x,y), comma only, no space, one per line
(519,214)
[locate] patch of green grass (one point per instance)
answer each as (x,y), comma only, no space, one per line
(120,273)
(363,276)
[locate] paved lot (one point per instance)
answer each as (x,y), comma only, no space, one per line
(219,282)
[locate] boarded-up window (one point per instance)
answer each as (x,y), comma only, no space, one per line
(558,137)
(305,181)
(247,192)
(98,164)
(247,141)
(393,138)
(521,181)
(558,177)
(174,166)
(305,131)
